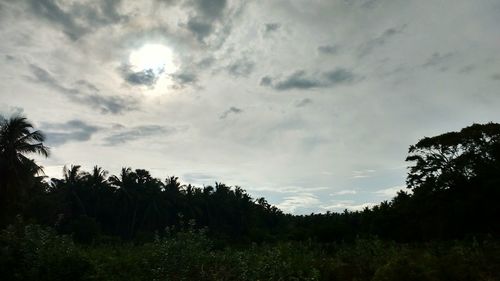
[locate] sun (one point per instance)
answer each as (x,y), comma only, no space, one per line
(153,57)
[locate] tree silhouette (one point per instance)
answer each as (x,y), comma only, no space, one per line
(455,179)
(17,172)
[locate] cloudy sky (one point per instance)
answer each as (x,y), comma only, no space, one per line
(311,104)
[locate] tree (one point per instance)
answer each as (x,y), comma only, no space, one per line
(455,179)
(18,173)
(450,159)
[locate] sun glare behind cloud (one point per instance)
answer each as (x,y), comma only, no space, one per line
(155,57)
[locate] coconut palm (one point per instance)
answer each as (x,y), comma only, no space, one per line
(18,139)
(73,178)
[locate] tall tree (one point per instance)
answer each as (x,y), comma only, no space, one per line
(18,139)
(455,179)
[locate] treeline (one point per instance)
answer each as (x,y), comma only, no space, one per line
(453,191)
(136,205)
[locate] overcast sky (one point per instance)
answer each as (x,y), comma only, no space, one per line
(311,104)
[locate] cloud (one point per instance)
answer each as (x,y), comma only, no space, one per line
(211,9)
(340,205)
(271,27)
(142,78)
(345,192)
(198,178)
(362,174)
(231,110)
(328,49)
(242,67)
(390,192)
(136,133)
(300,80)
(185,78)
(51,11)
(106,104)
(495,77)
(438,59)
(76,19)
(303,102)
(297,80)
(266,81)
(71,131)
(207,14)
(200,27)
(297,203)
(369,46)
(339,75)
(85,93)
(6,111)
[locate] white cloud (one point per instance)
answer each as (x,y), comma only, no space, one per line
(339,206)
(344,192)
(299,202)
(389,192)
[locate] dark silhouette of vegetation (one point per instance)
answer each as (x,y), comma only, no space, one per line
(183,232)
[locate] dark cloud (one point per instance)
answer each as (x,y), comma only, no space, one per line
(271,27)
(370,45)
(242,67)
(84,93)
(185,78)
(300,80)
(51,11)
(328,49)
(200,27)
(142,78)
(495,76)
(231,110)
(303,102)
(77,19)
(9,58)
(71,131)
(339,75)
(211,9)
(438,60)
(136,133)
(207,14)
(107,104)
(266,81)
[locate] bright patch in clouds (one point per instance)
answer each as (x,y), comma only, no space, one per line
(155,57)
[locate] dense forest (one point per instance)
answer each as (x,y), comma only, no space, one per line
(89,225)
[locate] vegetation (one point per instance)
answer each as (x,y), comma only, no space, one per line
(91,226)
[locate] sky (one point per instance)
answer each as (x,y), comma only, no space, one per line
(311,104)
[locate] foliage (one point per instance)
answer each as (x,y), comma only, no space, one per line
(36,253)
(33,252)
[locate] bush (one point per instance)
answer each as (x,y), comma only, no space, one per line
(33,252)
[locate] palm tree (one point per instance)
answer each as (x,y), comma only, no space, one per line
(73,178)
(18,139)
(97,181)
